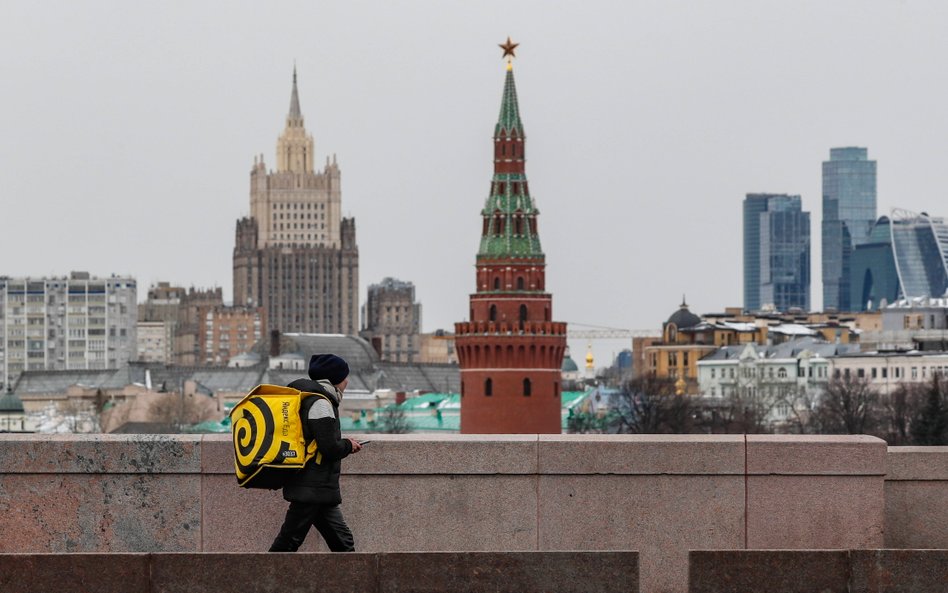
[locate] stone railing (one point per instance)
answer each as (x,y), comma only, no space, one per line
(662,496)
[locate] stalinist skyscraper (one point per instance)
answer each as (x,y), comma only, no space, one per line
(296,256)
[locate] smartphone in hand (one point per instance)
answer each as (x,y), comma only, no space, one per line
(363,442)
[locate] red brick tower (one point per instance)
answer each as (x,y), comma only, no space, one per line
(510,352)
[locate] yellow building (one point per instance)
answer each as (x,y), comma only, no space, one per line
(686,339)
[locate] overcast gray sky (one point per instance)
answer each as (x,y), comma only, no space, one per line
(128,129)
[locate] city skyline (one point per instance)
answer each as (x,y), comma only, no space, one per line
(152,116)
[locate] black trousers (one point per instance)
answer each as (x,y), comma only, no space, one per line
(328,521)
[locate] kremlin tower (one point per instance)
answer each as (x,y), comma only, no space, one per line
(510,352)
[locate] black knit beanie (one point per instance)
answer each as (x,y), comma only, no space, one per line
(328,366)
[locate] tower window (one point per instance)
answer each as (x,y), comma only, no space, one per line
(523,312)
(519,282)
(488,387)
(496,283)
(527,388)
(493,312)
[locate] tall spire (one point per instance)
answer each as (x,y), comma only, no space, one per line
(509,119)
(510,215)
(295,113)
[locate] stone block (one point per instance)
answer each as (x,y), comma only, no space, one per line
(263,573)
(74,573)
(100,513)
(814,512)
(745,571)
(917,463)
(916,514)
(641,454)
(386,513)
(441,513)
(509,572)
(217,455)
(243,520)
(830,455)
(899,571)
(661,517)
(100,453)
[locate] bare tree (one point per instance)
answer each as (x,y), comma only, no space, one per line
(393,420)
(897,411)
(175,410)
(849,405)
(649,405)
(802,404)
(930,424)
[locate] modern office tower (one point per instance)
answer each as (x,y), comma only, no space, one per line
(295,255)
(849,211)
(874,279)
(776,253)
(70,323)
(510,352)
(392,320)
(920,245)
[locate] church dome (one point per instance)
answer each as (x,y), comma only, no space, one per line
(683,318)
(10,403)
(569,365)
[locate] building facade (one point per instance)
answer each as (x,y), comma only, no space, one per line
(229,331)
(849,211)
(874,277)
(79,322)
(392,320)
(776,253)
(155,341)
(510,352)
(920,244)
(295,255)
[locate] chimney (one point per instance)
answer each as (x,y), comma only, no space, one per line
(274,343)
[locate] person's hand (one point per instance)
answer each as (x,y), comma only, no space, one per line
(356,447)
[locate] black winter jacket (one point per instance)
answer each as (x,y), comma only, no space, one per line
(319,483)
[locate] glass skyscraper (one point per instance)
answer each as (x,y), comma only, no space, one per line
(776,252)
(849,211)
(920,245)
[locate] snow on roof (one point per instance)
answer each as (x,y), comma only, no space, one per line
(793,329)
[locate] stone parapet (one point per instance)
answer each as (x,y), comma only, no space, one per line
(661,495)
(826,571)
(916,497)
(418,572)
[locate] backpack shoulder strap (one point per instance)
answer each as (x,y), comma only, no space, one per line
(308,399)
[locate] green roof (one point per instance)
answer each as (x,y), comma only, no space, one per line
(509,118)
(9,402)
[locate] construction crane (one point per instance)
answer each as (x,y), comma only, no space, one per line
(599,332)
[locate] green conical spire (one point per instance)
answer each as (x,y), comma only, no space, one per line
(510,216)
(509,119)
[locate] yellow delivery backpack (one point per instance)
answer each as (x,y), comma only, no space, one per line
(269,440)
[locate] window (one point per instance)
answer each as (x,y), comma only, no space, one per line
(712,376)
(519,282)
(527,388)
(488,387)
(493,312)
(782,373)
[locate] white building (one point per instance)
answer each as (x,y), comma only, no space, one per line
(778,374)
(886,370)
(77,322)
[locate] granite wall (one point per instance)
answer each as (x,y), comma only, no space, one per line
(659,495)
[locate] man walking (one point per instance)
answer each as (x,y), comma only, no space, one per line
(313,492)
